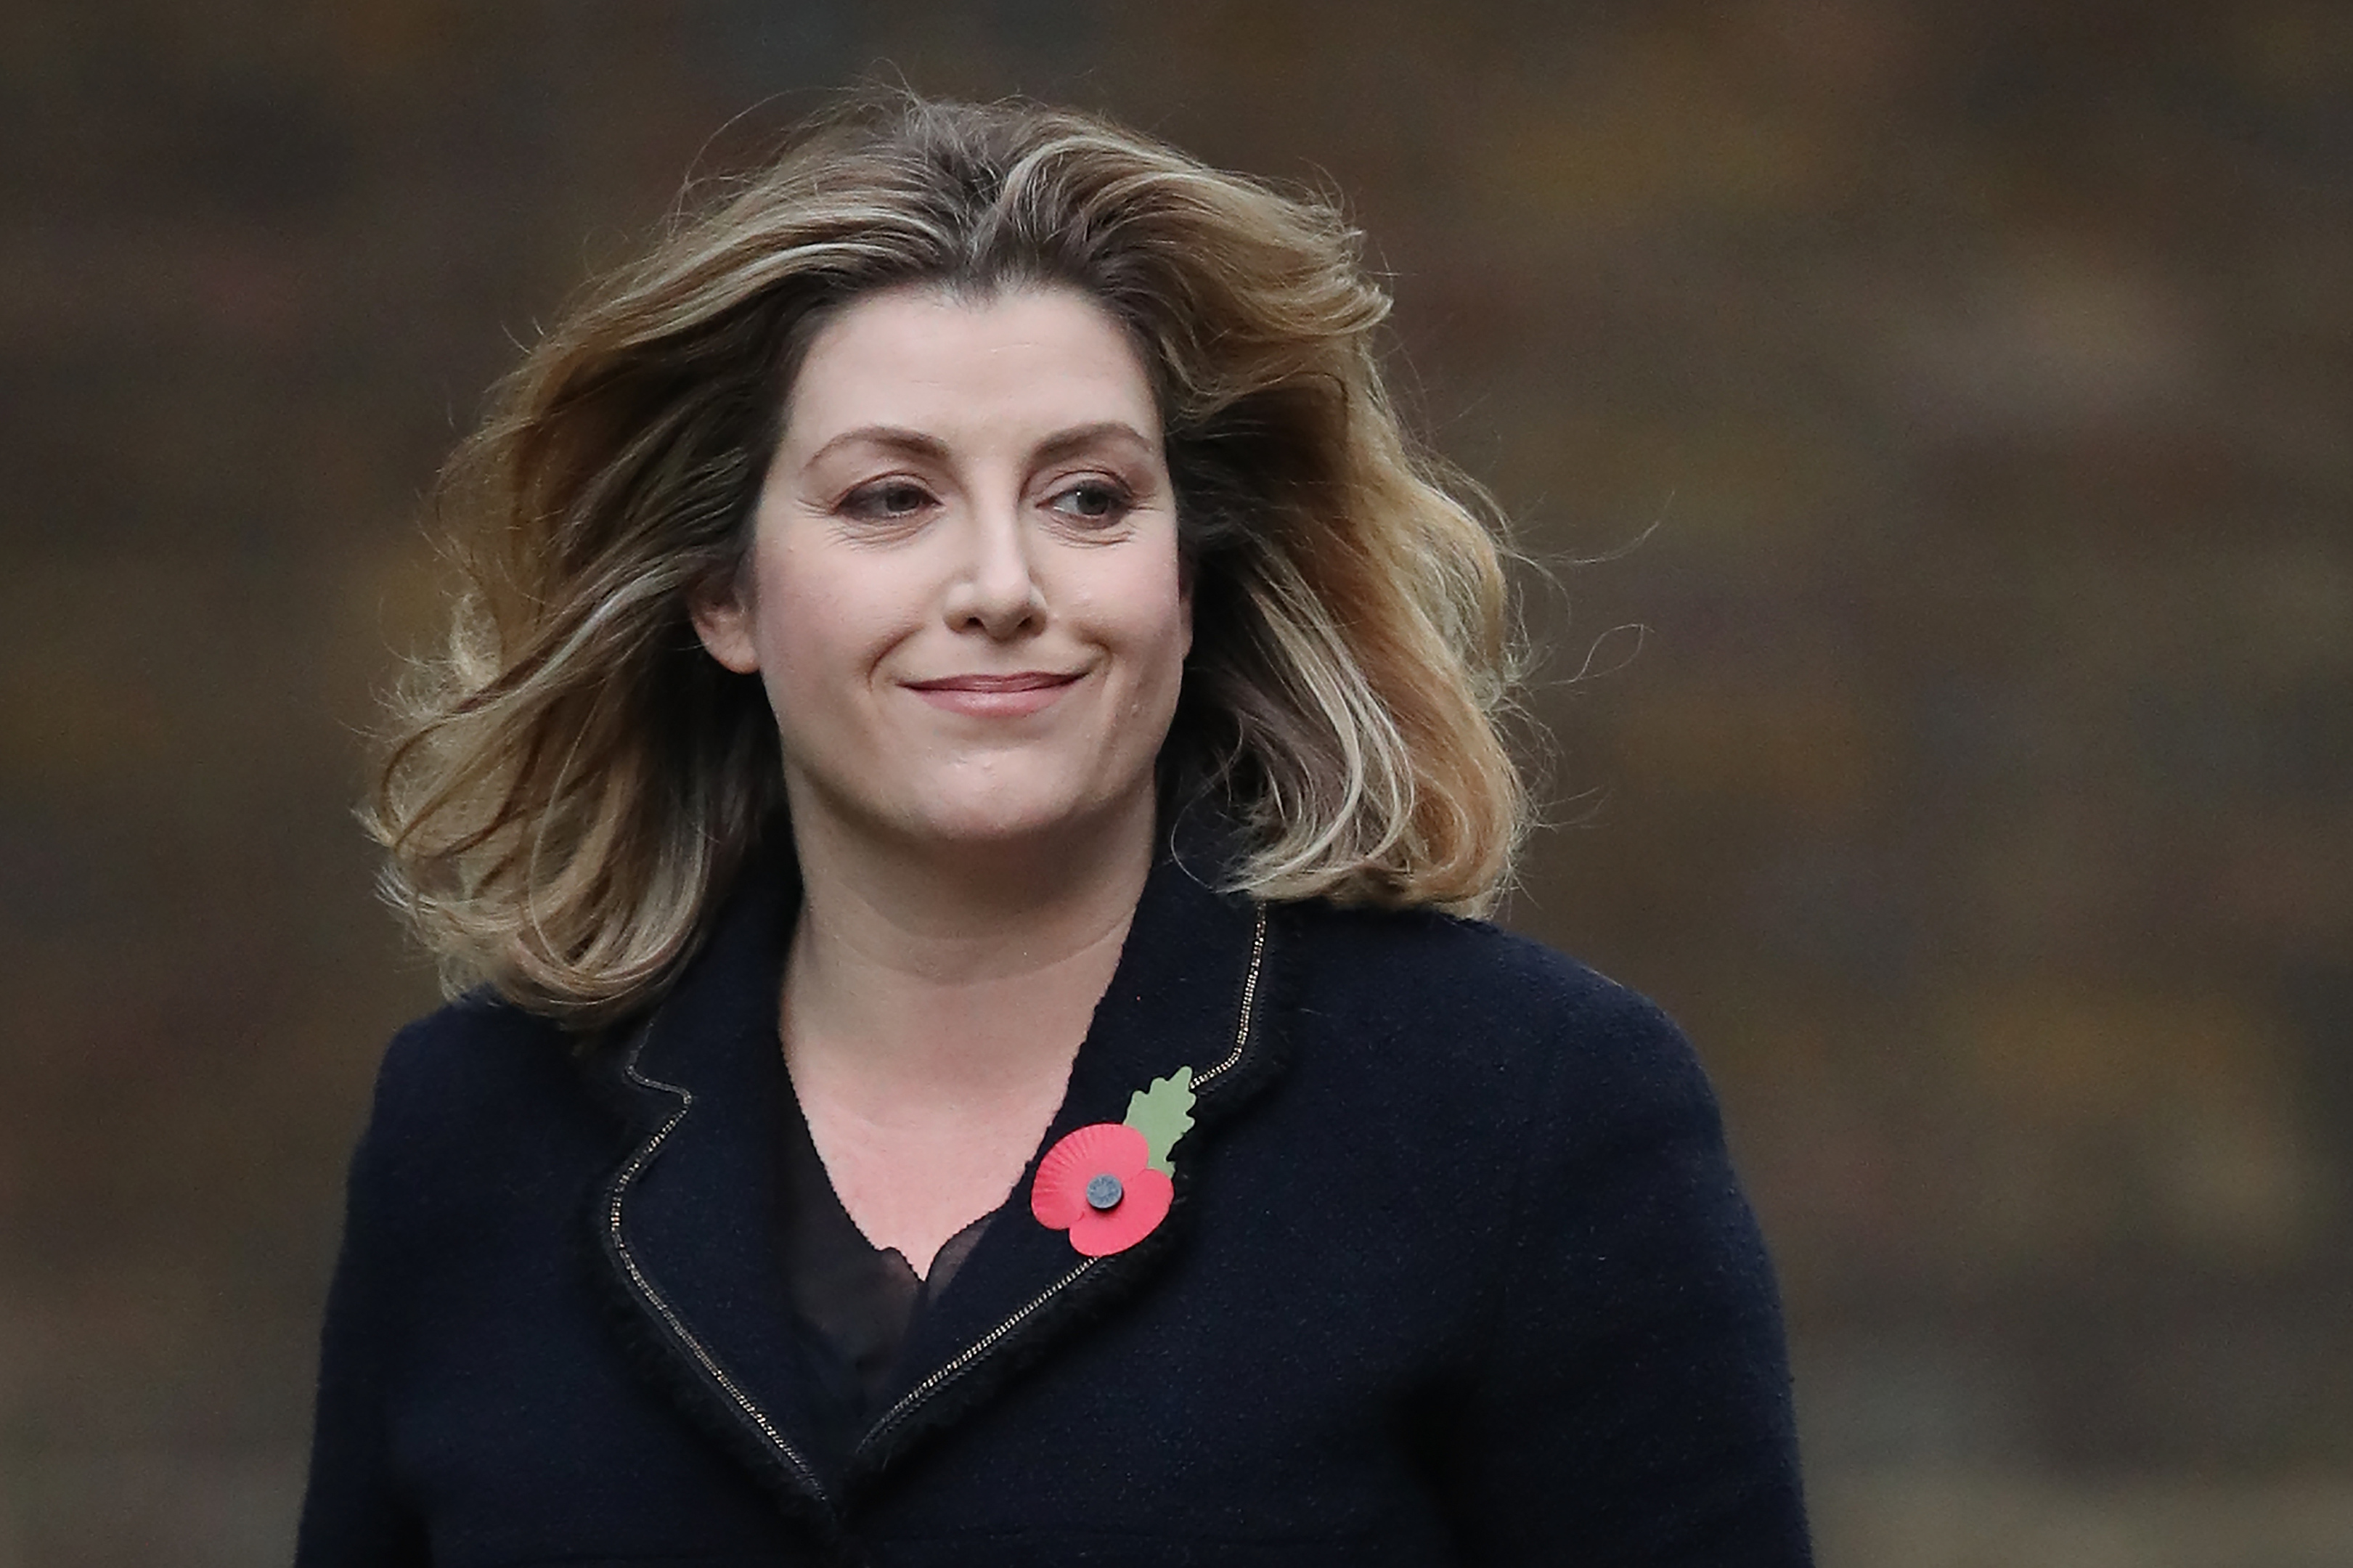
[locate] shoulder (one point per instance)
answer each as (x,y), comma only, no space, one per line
(459,1083)
(1479,1053)
(475,1045)
(1466,995)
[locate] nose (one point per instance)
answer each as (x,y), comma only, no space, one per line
(995,589)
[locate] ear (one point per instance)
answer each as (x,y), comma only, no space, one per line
(723,622)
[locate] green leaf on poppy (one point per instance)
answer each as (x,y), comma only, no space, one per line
(1163,1113)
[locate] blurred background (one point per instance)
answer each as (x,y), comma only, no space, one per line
(1939,417)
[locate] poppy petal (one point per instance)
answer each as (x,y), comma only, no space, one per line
(1141,1206)
(1058,1195)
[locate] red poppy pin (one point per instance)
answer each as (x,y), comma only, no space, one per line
(1108,1183)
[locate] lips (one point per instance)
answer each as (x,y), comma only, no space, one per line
(996,696)
(1024,680)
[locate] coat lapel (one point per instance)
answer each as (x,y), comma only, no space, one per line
(686,1225)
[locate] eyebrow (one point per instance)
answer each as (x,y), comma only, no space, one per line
(915,443)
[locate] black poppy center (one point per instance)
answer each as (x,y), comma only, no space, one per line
(1103,1192)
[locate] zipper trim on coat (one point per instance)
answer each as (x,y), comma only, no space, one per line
(1249,1005)
(792,1456)
(956,1365)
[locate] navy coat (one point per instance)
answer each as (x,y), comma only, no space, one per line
(1457,1273)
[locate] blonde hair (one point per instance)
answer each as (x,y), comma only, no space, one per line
(571,783)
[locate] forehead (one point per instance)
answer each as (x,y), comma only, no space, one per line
(1027,359)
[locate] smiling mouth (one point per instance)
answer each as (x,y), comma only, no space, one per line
(1013,696)
(1025,680)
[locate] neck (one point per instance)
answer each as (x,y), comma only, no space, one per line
(958,969)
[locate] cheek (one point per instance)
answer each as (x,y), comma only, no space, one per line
(1147,615)
(816,620)
(1165,604)
(1142,598)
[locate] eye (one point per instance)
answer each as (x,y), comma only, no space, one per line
(887,500)
(1092,500)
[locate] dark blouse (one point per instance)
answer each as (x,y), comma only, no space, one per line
(854,1302)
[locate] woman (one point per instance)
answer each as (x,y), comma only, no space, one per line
(957,783)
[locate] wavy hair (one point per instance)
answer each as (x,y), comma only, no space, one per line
(571,782)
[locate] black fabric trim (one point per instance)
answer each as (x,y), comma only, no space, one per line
(656,1350)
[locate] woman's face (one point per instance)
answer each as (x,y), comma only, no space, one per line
(963,594)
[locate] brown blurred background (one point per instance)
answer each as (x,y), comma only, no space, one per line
(1940,416)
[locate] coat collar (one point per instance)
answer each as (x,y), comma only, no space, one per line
(686,1225)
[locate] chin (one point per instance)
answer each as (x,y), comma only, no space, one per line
(1006,817)
(996,825)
